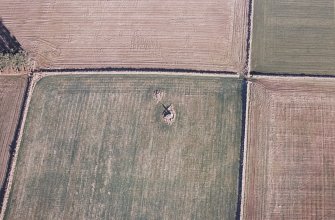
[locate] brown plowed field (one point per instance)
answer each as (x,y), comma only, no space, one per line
(11,94)
(196,34)
(290,163)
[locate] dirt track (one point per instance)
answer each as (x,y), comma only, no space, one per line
(128,33)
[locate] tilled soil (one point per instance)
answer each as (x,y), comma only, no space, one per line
(11,93)
(290,152)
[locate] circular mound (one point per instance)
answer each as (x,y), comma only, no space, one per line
(169,115)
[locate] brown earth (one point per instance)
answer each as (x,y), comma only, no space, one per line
(11,94)
(290,163)
(200,35)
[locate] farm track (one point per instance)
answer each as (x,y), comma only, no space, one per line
(244,96)
(144,70)
(292,75)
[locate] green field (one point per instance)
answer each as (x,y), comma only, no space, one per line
(96,147)
(293,36)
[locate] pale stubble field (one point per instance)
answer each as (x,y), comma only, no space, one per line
(171,34)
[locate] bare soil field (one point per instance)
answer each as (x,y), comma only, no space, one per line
(293,36)
(290,162)
(97,147)
(196,34)
(11,94)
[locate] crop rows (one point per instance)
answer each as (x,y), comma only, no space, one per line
(290,157)
(293,36)
(173,34)
(11,93)
(105,151)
